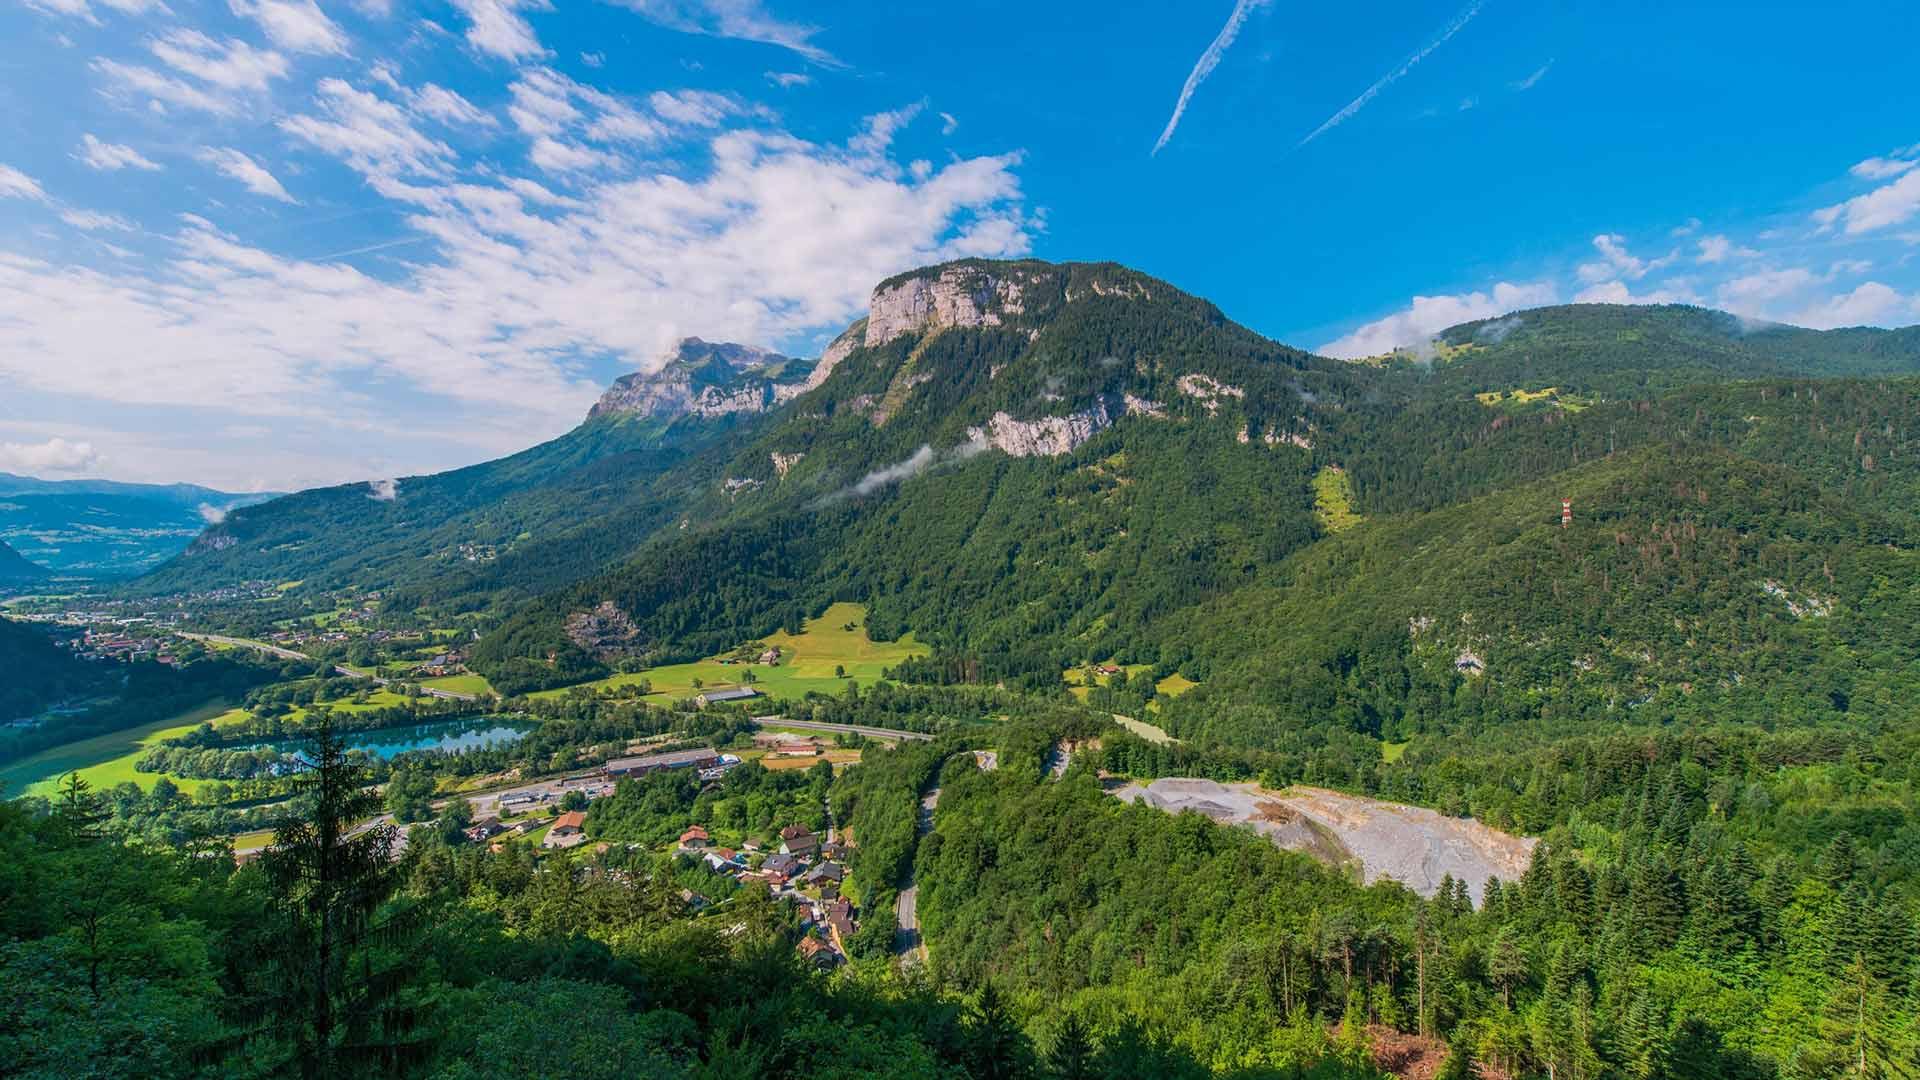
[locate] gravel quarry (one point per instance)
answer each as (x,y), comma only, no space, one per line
(1408,844)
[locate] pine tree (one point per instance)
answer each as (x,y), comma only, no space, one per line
(994,1047)
(1642,1039)
(328,874)
(1071,1056)
(1858,1025)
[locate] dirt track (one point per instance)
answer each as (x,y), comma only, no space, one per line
(1411,845)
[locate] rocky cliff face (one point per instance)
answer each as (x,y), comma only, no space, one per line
(1052,436)
(707,379)
(959,296)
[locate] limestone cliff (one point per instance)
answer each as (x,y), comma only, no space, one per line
(707,379)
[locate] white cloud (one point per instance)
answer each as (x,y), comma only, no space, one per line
(56,455)
(1878,168)
(594,59)
(1718,249)
(211,514)
(517,296)
(1618,292)
(442,104)
(111,157)
(81,9)
(1209,59)
(1869,304)
(1750,294)
(226,75)
(15,184)
(745,20)
(1459,23)
(1616,262)
(373,136)
(383,490)
(1692,226)
(1890,204)
(787,80)
(1428,315)
(296,25)
(498,29)
(94,221)
(238,166)
(948,125)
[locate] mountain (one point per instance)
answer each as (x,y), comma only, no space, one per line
(513,527)
(1033,466)
(704,379)
(14,568)
(1614,350)
(104,528)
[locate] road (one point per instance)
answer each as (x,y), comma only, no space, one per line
(869,732)
(907,942)
(243,643)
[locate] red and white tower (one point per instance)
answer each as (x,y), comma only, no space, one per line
(1566,512)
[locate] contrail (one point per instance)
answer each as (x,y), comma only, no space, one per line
(1208,61)
(1373,91)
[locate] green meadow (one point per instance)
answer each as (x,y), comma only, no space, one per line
(807,661)
(106,760)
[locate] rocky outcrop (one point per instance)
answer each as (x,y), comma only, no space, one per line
(1208,391)
(783,462)
(1052,436)
(960,296)
(706,379)
(850,339)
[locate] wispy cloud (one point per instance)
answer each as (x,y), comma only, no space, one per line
(235,165)
(111,157)
(1209,60)
(1366,97)
(15,184)
(1533,80)
(743,20)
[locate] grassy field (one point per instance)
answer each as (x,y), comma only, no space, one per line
(1333,500)
(1075,677)
(1391,752)
(459,684)
(106,760)
(1174,685)
(807,661)
(1143,729)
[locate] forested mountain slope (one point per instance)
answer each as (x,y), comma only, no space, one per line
(15,568)
(1613,350)
(1690,585)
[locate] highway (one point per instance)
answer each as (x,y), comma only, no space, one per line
(869,732)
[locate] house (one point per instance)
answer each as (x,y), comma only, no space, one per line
(771,657)
(723,860)
(823,873)
(818,953)
(695,837)
(782,866)
(840,922)
(799,749)
(653,763)
(833,849)
(798,840)
(485,829)
(715,697)
(569,830)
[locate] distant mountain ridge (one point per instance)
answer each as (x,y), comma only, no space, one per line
(706,379)
(105,528)
(16,568)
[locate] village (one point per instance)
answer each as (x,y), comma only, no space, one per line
(796,867)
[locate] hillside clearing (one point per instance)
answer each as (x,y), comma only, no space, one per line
(837,639)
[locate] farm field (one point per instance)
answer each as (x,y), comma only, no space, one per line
(1149,732)
(1333,500)
(1076,680)
(807,662)
(459,684)
(106,760)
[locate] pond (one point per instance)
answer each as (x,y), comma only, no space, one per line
(449,736)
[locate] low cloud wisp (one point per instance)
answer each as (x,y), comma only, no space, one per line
(1459,23)
(1207,62)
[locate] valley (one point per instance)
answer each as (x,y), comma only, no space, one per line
(1054,650)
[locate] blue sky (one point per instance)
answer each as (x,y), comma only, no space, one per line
(274,243)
